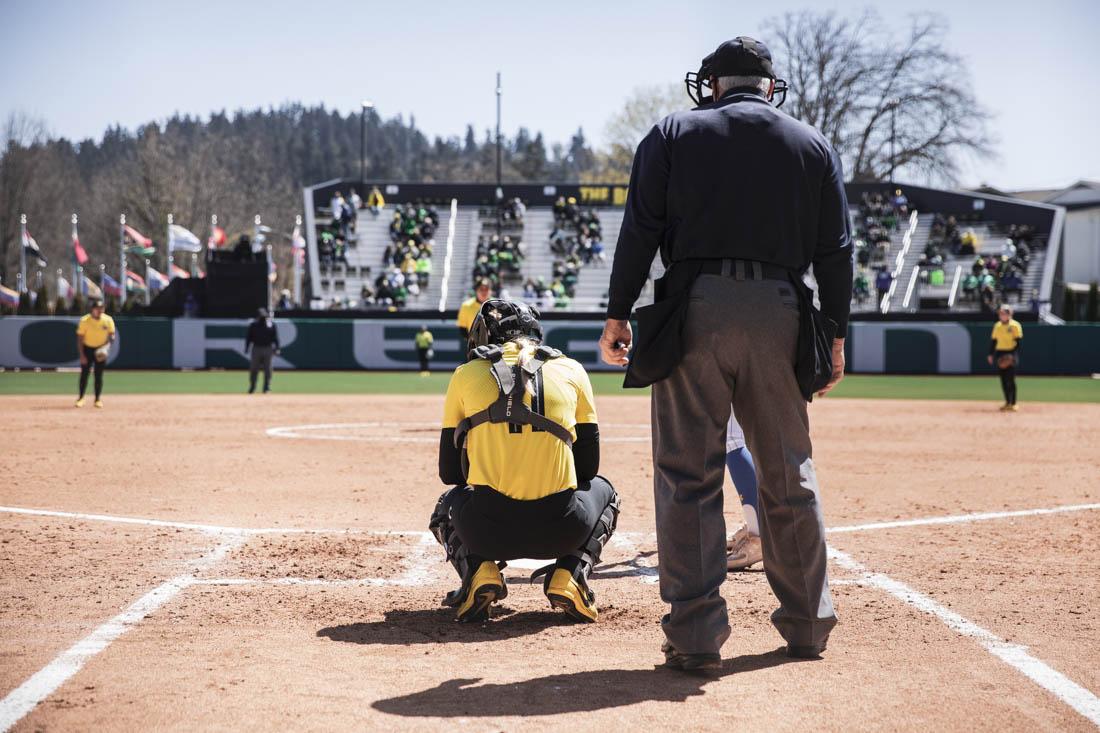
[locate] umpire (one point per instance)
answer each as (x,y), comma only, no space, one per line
(263,340)
(740,199)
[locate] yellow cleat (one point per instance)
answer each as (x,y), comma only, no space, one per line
(572,596)
(1013,408)
(486,587)
(99,404)
(80,402)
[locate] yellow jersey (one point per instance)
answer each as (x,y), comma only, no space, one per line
(424,339)
(518,461)
(467,312)
(96,331)
(1005,335)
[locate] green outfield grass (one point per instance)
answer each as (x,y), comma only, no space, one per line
(1032,389)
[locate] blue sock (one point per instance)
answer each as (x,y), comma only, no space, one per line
(743,473)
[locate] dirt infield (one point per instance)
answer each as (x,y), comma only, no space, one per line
(278,576)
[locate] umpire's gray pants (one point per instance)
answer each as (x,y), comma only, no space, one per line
(261,359)
(739,346)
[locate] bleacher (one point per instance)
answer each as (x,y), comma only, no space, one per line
(915,286)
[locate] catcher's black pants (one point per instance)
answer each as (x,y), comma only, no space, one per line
(422,355)
(493,526)
(1008,379)
(90,364)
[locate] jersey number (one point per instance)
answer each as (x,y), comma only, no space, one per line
(538,405)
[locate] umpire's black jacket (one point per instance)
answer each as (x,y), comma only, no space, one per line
(736,178)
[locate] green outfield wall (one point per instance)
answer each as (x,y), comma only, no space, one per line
(387,344)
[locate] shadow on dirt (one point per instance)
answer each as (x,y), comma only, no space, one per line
(567,693)
(434,626)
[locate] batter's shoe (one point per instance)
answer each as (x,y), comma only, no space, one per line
(1006,407)
(1013,408)
(744,550)
(571,595)
(690,662)
(99,404)
(485,588)
(80,402)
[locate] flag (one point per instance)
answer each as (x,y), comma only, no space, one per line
(91,289)
(216,239)
(157,281)
(261,234)
(134,281)
(31,248)
(178,271)
(182,240)
(64,289)
(79,254)
(111,286)
(140,244)
(298,244)
(9,297)
(271,273)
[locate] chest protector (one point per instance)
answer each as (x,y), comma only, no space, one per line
(509,406)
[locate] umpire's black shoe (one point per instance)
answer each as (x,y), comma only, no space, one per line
(805,652)
(707,663)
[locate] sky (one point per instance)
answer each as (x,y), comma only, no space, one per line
(83,66)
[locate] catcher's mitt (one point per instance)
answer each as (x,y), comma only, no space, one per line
(102,352)
(1006,361)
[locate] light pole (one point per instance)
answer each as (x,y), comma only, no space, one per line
(365,105)
(499,190)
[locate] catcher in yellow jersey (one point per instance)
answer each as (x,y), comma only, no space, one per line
(521,446)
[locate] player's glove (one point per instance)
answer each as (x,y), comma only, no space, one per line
(1006,361)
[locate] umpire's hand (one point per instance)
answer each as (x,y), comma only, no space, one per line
(838,366)
(615,342)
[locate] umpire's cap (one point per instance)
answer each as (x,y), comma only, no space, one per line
(743,56)
(500,321)
(95,303)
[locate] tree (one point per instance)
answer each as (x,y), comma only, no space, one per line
(855,79)
(626,128)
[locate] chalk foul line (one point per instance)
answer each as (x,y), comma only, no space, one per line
(1015,655)
(43,683)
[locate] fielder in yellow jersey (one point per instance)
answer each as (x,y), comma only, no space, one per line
(520,445)
(94,335)
(1004,352)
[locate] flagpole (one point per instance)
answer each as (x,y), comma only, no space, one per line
(76,265)
(167,252)
(297,254)
(122,259)
(147,286)
(213,232)
(22,253)
(57,284)
(270,284)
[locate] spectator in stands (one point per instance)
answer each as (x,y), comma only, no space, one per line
(341,218)
(354,204)
(970,286)
(901,203)
(424,268)
(242,251)
(861,285)
(366,294)
(883,279)
(284,303)
(968,243)
(1008,249)
(1012,284)
(375,201)
(1034,303)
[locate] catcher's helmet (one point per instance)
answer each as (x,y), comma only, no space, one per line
(499,321)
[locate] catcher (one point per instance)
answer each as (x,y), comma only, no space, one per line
(520,444)
(1004,351)
(94,335)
